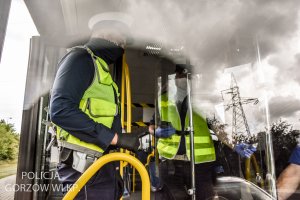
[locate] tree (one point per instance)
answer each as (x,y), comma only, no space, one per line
(8,126)
(284,141)
(9,141)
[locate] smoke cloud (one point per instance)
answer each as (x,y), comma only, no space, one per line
(206,27)
(284,106)
(219,34)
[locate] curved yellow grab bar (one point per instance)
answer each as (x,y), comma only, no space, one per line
(83,179)
(149,157)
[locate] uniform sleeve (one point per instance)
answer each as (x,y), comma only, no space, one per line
(295,156)
(75,74)
(152,120)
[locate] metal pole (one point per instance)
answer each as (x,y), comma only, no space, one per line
(192,190)
(270,176)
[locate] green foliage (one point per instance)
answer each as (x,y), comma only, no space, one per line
(284,141)
(284,137)
(9,141)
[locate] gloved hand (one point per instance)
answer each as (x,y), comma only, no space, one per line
(244,150)
(181,133)
(165,132)
(128,141)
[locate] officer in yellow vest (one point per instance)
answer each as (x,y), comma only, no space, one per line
(84,107)
(174,144)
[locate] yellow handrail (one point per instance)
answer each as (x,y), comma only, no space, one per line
(128,107)
(128,95)
(83,179)
(247,169)
(149,158)
(123,94)
(256,168)
(122,164)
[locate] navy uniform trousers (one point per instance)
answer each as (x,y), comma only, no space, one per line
(106,184)
(176,178)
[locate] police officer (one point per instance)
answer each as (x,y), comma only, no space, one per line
(173,144)
(84,106)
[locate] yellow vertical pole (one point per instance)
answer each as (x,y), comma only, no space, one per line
(248,162)
(128,95)
(128,108)
(123,93)
(122,163)
(247,169)
(257,171)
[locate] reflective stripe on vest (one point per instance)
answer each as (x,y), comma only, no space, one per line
(98,102)
(168,147)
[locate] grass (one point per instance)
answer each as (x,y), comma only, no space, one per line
(7,168)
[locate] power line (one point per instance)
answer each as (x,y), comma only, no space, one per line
(240,127)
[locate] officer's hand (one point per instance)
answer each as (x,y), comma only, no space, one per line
(181,133)
(164,132)
(244,150)
(128,141)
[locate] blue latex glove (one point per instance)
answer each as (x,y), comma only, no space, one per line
(164,132)
(244,150)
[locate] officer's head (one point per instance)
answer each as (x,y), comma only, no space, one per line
(181,72)
(111,26)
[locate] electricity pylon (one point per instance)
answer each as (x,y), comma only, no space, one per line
(240,127)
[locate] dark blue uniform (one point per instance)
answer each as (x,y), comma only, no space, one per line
(74,76)
(295,156)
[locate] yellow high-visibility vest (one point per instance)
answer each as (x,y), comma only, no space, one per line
(98,102)
(168,147)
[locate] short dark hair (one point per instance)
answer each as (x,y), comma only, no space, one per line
(182,68)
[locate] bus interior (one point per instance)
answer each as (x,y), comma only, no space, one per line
(227,85)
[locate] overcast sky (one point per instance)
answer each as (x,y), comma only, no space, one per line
(13,66)
(221,34)
(206,29)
